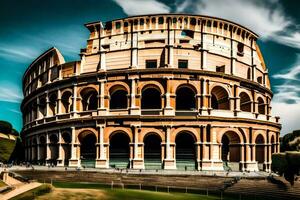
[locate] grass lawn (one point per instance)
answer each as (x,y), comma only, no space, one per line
(79,191)
(6,148)
(116,194)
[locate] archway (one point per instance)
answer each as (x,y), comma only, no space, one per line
(231,153)
(151,98)
(219,98)
(35,151)
(185,151)
(43,151)
(261,106)
(260,151)
(119,150)
(53,148)
(66,101)
(273,145)
(52,104)
(118,100)
(245,102)
(87,141)
(152,151)
(89,99)
(66,147)
(185,99)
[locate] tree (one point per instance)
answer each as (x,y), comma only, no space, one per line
(286,164)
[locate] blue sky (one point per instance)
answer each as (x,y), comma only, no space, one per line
(30,27)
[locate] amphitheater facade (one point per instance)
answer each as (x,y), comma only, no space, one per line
(153,92)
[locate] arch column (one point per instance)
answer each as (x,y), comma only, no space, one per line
(58,102)
(168,109)
(102,110)
(74,160)
(74,100)
(60,160)
(38,150)
(48,152)
(214,150)
(205,106)
(169,160)
(101,148)
(47,105)
(138,160)
(134,109)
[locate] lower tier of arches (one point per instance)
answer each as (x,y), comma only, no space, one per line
(202,147)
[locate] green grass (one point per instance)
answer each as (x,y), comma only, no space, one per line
(134,194)
(6,148)
(32,194)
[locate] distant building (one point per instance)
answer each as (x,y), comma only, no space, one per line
(156,91)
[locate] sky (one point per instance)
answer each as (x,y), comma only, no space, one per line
(28,28)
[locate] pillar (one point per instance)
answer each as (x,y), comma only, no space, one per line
(101,158)
(74,161)
(74,100)
(60,159)
(138,161)
(168,109)
(48,151)
(169,161)
(102,110)
(47,104)
(134,110)
(58,102)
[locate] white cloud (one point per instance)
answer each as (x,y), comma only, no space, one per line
(290,75)
(10,92)
(266,18)
(286,100)
(289,116)
(17,53)
(141,7)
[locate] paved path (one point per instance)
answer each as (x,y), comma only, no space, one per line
(19,190)
(152,172)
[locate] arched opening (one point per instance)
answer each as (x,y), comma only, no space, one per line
(249,73)
(66,101)
(66,147)
(43,151)
(52,104)
(260,151)
(89,99)
(245,102)
(231,154)
(119,150)
(87,141)
(42,106)
(273,145)
(118,99)
(219,98)
(35,151)
(185,99)
(261,106)
(185,151)
(151,98)
(53,148)
(152,151)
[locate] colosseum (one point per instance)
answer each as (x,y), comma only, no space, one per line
(168,91)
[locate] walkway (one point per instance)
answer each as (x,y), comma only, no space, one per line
(19,190)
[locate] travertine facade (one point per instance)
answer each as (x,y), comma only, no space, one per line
(156,91)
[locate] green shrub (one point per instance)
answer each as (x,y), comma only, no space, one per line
(287,164)
(279,163)
(5,127)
